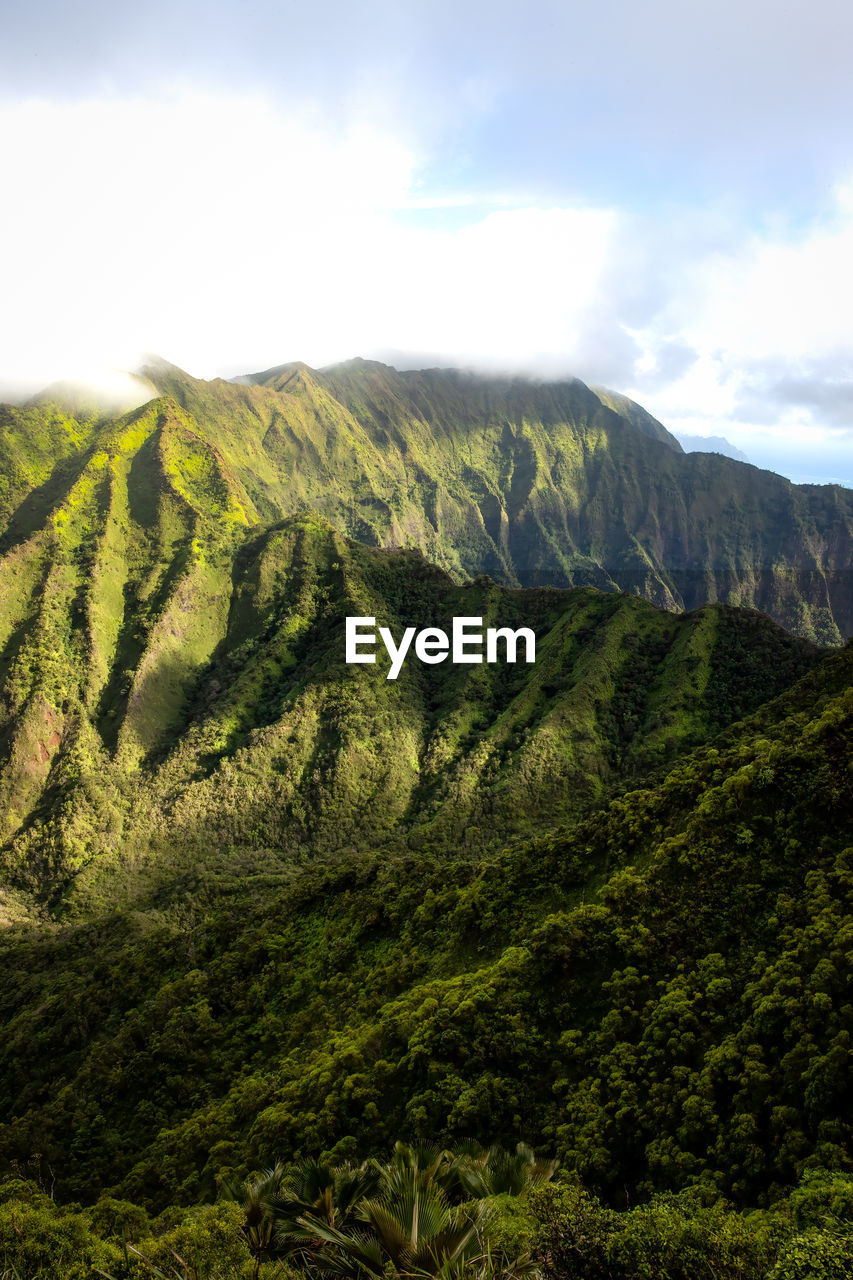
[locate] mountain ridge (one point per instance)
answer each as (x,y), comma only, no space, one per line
(541,484)
(136,547)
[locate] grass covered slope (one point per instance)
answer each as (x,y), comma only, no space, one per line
(658,993)
(181,685)
(114,584)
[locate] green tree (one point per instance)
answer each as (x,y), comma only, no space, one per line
(410,1224)
(258,1198)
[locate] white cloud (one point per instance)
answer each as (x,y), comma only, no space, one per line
(228,236)
(768,321)
(222,234)
(201,227)
(511,290)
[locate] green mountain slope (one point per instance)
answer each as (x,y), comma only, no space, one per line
(535,484)
(659,992)
(174,676)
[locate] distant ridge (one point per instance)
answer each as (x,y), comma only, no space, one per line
(710,444)
(534,483)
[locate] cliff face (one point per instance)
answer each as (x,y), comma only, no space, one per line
(534,484)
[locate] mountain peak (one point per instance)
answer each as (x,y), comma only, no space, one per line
(638,416)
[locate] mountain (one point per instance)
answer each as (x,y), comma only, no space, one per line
(710,444)
(174,677)
(171,659)
(533,483)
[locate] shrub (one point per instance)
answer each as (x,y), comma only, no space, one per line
(815,1255)
(41,1241)
(670,1238)
(205,1245)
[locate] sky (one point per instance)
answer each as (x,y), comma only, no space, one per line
(655,197)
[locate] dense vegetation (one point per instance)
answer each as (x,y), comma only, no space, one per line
(429,1213)
(258,906)
(657,993)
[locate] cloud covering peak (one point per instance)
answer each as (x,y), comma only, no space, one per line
(656,198)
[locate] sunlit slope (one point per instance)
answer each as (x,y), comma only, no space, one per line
(636,414)
(175,680)
(535,484)
(114,587)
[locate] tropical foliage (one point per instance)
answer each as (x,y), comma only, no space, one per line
(408,1223)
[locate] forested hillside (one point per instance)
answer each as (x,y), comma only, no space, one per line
(658,994)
